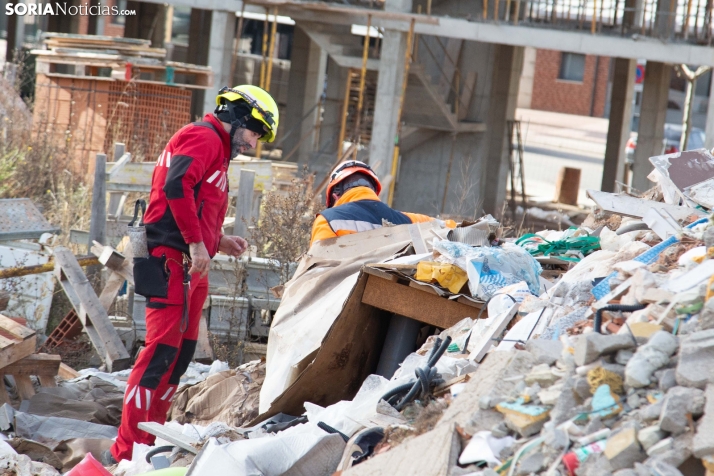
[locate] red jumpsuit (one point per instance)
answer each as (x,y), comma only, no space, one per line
(188,202)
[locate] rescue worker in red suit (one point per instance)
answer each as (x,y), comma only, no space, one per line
(187,205)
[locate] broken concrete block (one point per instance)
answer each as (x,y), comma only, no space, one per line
(623,450)
(591,346)
(634,401)
(527,420)
(550,395)
(582,388)
(661,468)
(706,316)
(650,436)
(648,358)
(626,472)
(680,451)
(623,356)
(667,379)
(566,406)
(545,351)
(542,375)
(532,463)
(678,402)
(703,443)
(696,355)
(556,438)
(660,447)
(651,412)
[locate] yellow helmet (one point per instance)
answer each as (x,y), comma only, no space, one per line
(263,107)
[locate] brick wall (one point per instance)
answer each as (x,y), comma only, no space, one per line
(570,97)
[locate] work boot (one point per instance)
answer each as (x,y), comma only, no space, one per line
(107,459)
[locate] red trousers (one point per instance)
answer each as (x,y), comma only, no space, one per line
(165,357)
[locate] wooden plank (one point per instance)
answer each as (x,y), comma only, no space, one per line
(114,284)
(4,397)
(423,287)
(18,350)
(47,381)
(35,364)
(16,329)
(416,304)
(637,207)
(66,372)
(182,441)
(25,389)
(91,312)
(117,166)
(244,202)
(98,219)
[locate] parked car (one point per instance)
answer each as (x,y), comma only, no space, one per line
(672,138)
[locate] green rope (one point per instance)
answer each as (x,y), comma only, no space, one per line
(558,248)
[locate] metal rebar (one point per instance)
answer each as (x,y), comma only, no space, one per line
(363,75)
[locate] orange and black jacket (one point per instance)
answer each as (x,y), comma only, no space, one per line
(360,209)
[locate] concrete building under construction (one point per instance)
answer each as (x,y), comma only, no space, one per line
(423,90)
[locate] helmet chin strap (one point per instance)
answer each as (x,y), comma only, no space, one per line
(235,122)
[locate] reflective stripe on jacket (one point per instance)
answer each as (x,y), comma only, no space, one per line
(359,209)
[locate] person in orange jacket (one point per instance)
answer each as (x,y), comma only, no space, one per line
(353,204)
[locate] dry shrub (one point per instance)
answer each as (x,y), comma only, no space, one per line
(283,231)
(37,165)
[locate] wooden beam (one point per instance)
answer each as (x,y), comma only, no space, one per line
(17,342)
(416,304)
(35,364)
(91,313)
(66,372)
(244,202)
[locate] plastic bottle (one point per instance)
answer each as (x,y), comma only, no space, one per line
(573,459)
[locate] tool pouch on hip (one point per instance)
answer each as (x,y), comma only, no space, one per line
(150,277)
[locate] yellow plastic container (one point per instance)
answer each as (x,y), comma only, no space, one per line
(447,275)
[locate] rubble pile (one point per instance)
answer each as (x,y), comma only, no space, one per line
(587,351)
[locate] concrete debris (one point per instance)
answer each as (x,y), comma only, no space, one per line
(678,404)
(695,367)
(623,450)
(648,358)
(534,388)
(650,436)
(591,346)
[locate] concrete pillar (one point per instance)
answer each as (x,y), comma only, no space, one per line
(386,104)
(709,143)
(618,129)
(149,23)
(220,50)
(307,78)
(525,89)
(389,92)
(650,135)
(64,23)
(197,53)
(507,66)
(15,35)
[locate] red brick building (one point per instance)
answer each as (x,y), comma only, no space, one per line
(569,83)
